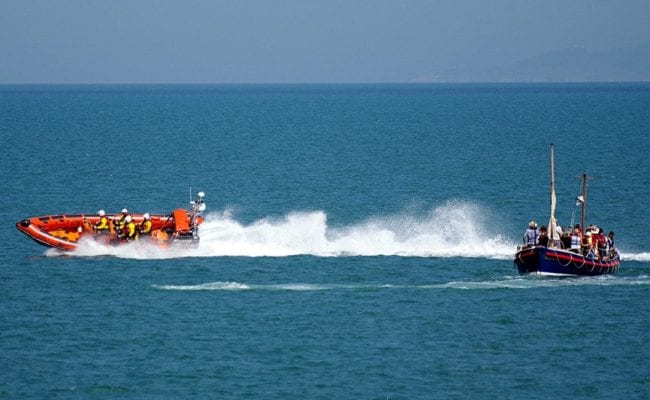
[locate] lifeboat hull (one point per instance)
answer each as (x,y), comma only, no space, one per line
(548,261)
(65,231)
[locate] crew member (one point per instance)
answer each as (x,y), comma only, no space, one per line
(587,245)
(145,226)
(601,244)
(102,226)
(130,231)
(121,221)
(610,242)
(531,236)
(543,239)
(579,229)
(575,241)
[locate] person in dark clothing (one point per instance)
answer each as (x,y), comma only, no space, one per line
(543,237)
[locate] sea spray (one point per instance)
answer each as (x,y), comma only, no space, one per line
(454,229)
(640,257)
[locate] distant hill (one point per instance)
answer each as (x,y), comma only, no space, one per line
(574,64)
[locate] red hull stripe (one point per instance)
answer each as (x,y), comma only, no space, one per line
(587,261)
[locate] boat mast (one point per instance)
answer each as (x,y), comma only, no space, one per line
(551,222)
(584,200)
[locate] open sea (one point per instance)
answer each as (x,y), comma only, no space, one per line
(358,242)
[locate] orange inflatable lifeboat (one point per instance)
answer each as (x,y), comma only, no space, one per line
(65,231)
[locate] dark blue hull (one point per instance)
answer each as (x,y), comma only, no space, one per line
(550,261)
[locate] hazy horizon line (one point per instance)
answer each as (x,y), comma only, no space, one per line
(310,83)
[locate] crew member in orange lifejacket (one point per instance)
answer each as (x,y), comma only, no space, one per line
(145,226)
(130,231)
(102,226)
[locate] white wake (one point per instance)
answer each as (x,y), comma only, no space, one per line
(454,229)
(642,257)
(517,282)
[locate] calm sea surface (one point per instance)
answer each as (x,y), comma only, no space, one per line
(358,242)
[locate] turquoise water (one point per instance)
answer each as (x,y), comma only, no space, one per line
(358,242)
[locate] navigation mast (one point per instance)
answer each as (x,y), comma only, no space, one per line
(583,199)
(552,222)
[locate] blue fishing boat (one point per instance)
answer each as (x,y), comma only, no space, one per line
(552,261)
(548,257)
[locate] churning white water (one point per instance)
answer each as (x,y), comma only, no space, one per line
(454,229)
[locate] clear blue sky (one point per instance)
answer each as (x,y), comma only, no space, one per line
(242,41)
